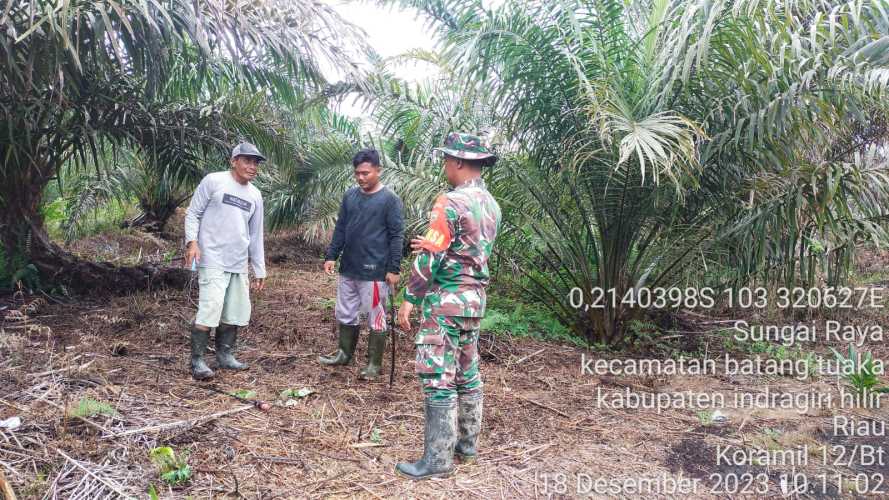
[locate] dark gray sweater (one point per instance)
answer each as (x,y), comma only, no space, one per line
(369,234)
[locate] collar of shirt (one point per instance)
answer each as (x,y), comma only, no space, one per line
(476,182)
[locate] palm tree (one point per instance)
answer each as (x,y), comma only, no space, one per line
(82,78)
(160,184)
(404,122)
(304,191)
(650,134)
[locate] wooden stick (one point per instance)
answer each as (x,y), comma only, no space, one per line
(356,460)
(365,488)
(107,482)
(61,370)
(180,423)
(529,356)
(533,452)
(337,413)
(353,488)
(608,379)
(281,460)
(411,415)
(550,408)
(12,405)
(366,445)
(5,488)
(17,473)
(746,417)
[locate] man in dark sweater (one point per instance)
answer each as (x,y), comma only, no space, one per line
(368,241)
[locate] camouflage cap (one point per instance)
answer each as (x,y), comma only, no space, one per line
(467,147)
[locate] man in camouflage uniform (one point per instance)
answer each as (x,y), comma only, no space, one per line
(448,280)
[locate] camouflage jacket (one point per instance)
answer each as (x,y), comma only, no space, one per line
(451,272)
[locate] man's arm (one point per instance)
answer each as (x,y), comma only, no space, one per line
(395,230)
(442,230)
(199,201)
(339,233)
(256,250)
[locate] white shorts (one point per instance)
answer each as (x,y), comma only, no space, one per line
(224,297)
(354,297)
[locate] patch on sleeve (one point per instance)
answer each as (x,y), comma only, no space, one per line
(438,236)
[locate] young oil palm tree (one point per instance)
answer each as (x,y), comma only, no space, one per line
(160,183)
(404,122)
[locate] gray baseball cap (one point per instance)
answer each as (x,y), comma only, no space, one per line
(247,149)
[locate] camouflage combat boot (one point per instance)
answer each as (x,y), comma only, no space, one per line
(469,424)
(376,346)
(226,336)
(199,340)
(440,437)
(348,340)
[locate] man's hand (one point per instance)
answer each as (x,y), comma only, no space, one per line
(417,244)
(258,284)
(392,280)
(404,315)
(192,253)
(329,266)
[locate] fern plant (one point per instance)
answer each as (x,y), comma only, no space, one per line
(89,407)
(859,370)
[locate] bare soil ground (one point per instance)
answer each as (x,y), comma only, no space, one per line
(546,432)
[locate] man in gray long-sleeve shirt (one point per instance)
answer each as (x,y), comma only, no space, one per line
(368,241)
(223,231)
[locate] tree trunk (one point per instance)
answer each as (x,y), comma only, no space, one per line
(22,233)
(59,266)
(154,219)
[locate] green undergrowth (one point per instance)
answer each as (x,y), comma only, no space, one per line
(16,272)
(88,407)
(105,218)
(508,316)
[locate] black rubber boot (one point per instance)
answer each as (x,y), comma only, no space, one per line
(469,424)
(376,346)
(348,340)
(226,336)
(441,435)
(199,340)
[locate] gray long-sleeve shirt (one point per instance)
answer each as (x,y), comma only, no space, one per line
(226,219)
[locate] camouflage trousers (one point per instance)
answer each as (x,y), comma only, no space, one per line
(447,356)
